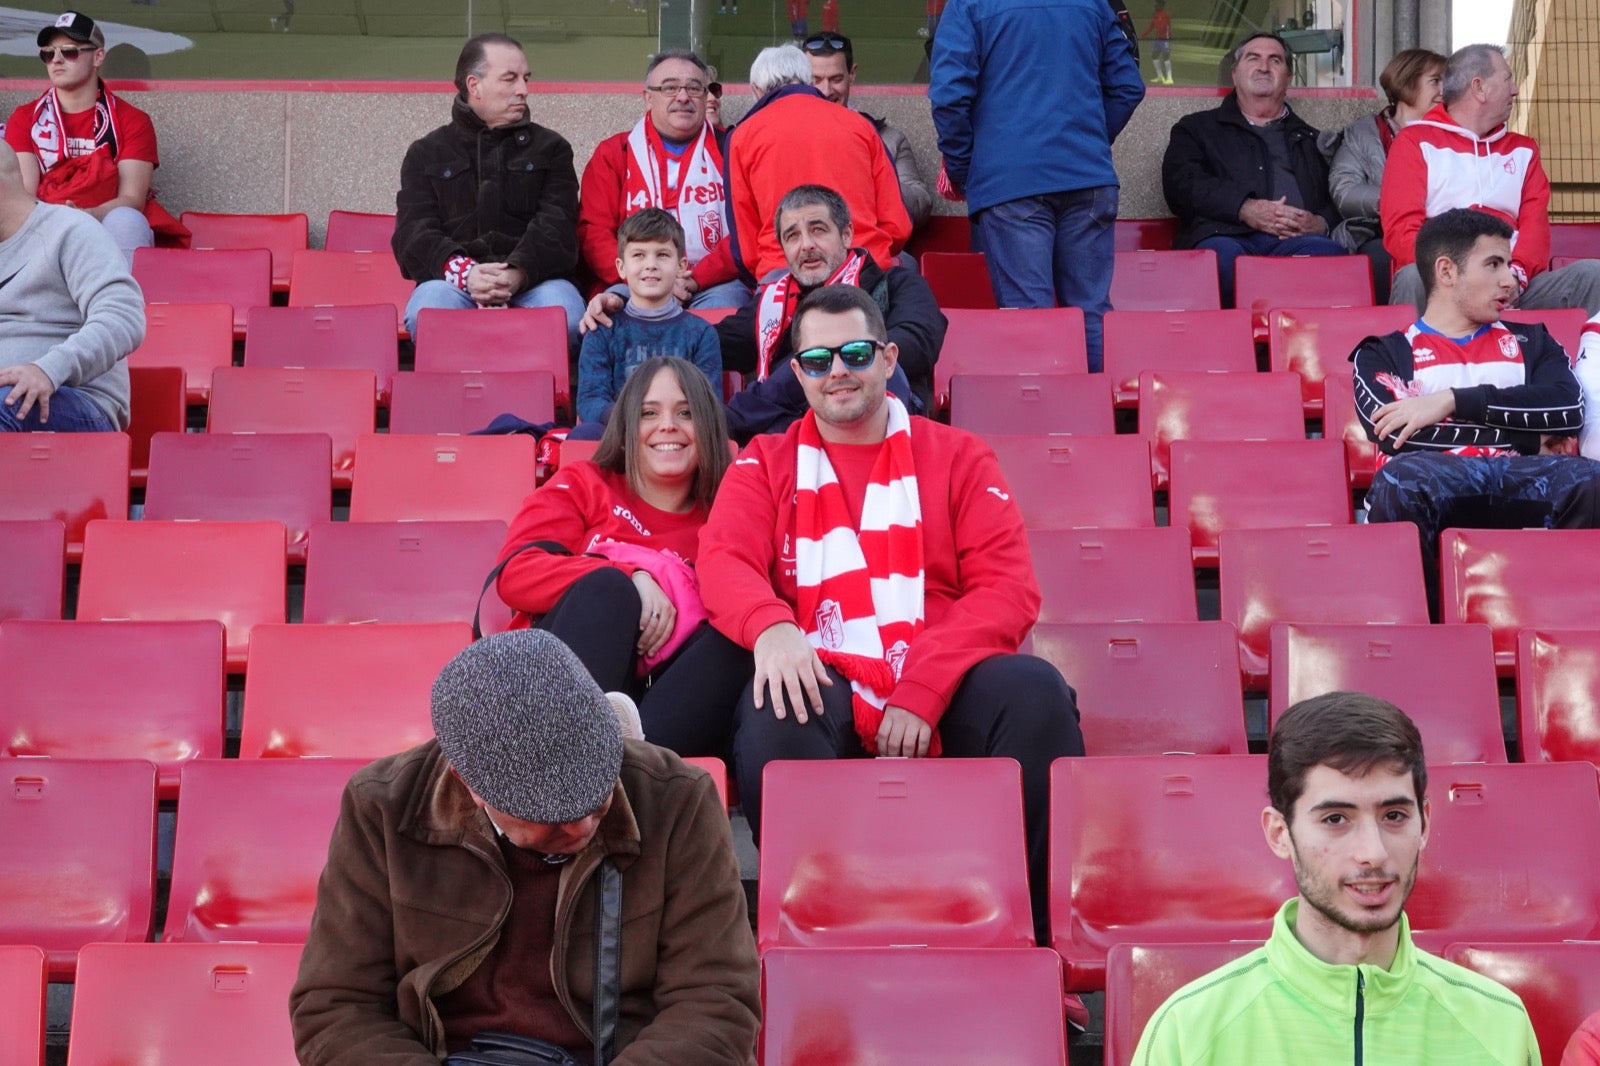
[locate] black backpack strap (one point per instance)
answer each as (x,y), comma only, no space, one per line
(607,961)
(548,546)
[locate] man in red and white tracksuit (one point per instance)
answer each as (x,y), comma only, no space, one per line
(1462,155)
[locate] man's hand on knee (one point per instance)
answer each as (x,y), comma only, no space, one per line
(903,734)
(787,664)
(29,385)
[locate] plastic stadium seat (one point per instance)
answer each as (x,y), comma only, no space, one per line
(1166,281)
(1558,695)
(403,572)
(959,279)
(1158,850)
(345,279)
(166,571)
(157,405)
(941,233)
(988,404)
(1136,341)
(357,691)
(251,842)
(712,315)
(282,235)
(360,337)
(198,338)
(79,861)
(184,1003)
(1144,234)
(1151,688)
(577,451)
(1442,676)
(893,852)
(1315,342)
(23,990)
(1515,579)
(1140,978)
(242,477)
(1264,282)
(33,580)
(1223,485)
(1196,405)
(72,477)
(359,231)
(1559,261)
(240,278)
(933,1007)
(1565,324)
(498,339)
(1355,574)
(1068,482)
(424,402)
(155,692)
(1014,340)
(718,771)
(1114,575)
(401,478)
(339,403)
(1576,240)
(1513,854)
(1558,983)
(1340,422)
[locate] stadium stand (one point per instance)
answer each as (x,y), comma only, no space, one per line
(157,405)
(1140,977)
(240,278)
(75,478)
(197,338)
(1166,281)
(1261,284)
(345,279)
(510,339)
(1114,575)
(1016,340)
(1163,341)
(358,231)
(1316,342)
(423,478)
(959,280)
(339,403)
(1192,405)
(941,233)
(1219,486)
(718,771)
(1558,695)
(1558,983)
(1070,482)
(23,988)
(281,235)
(1144,234)
(424,402)
(990,404)
(32,585)
(1341,422)
(1516,579)
(345,337)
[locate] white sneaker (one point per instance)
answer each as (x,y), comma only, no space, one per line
(627,715)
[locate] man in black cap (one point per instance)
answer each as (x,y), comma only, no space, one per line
(467,879)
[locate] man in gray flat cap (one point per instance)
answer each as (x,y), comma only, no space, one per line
(469,880)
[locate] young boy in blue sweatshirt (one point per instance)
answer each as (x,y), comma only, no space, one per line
(650,258)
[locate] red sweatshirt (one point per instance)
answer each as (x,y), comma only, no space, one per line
(578,507)
(980,595)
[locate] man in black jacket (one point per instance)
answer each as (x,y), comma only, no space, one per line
(1247,178)
(487,212)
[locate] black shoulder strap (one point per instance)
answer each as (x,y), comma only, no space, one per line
(880,293)
(1125,24)
(607,961)
(549,546)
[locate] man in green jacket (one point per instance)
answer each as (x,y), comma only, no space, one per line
(1339,980)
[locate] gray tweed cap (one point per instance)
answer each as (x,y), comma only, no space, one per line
(527,728)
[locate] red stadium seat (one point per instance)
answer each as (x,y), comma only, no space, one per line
(356,691)
(184,1003)
(326,338)
(577,451)
(1207,406)
(988,404)
(1263,283)
(198,338)
(933,1007)
(1067,482)
(1565,324)
(344,279)
(1223,485)
(1114,575)
(402,479)
(339,403)
(403,572)
(1340,422)
(1578,240)
(72,477)
(1558,983)
(425,402)
(498,339)
(23,991)
(79,861)
(1014,340)
(251,842)
(1353,574)
(282,235)
(1166,281)
(1442,676)
(718,771)
(1158,850)
(1558,695)
(176,571)
(1315,342)
(1144,234)
(712,315)
(32,581)
(1137,341)
(359,231)
(155,692)
(240,278)
(959,279)
(893,852)
(1515,579)
(157,405)
(242,477)
(941,233)
(1140,978)
(1151,688)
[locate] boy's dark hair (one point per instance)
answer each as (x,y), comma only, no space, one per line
(840,300)
(1451,235)
(1351,732)
(474,60)
(650,224)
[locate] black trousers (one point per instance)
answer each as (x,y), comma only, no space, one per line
(1012,706)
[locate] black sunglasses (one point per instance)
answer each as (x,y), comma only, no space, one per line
(826,42)
(817,362)
(66,52)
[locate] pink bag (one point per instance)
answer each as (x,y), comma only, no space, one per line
(676,579)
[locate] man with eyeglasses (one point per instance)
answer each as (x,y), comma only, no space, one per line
(833,74)
(671,159)
(886,607)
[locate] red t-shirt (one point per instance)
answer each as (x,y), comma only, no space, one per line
(136,134)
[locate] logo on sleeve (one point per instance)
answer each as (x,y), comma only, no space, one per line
(997,492)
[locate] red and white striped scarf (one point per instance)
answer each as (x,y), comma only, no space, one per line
(776,303)
(700,201)
(859,595)
(50,134)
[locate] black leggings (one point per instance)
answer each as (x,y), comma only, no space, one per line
(687,703)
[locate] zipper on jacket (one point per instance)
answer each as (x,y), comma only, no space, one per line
(1361,986)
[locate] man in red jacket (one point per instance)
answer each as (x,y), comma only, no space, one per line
(886,608)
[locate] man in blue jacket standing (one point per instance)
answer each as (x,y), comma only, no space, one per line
(1027,97)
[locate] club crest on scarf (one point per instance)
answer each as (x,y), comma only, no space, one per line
(830,625)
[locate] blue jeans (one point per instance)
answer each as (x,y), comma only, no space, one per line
(1054,250)
(1230,248)
(557,292)
(71,411)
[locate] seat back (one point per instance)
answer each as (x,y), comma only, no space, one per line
(198,338)
(992,404)
(1262,283)
(941,233)
(1144,234)
(1512,579)
(1226,485)
(1558,983)
(340,403)
(959,279)
(1316,342)
(238,277)
(1163,341)
(1166,281)
(23,991)
(359,231)
(74,478)
(1068,482)
(1011,341)
(1199,405)
(1114,575)
(33,580)
(1142,977)
(717,770)
(1341,422)
(343,279)
(410,478)
(510,339)
(445,402)
(1558,694)
(157,404)
(281,235)
(1564,323)
(356,337)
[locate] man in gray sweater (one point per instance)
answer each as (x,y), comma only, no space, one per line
(69,315)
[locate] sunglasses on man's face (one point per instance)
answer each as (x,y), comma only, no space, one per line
(68,53)
(856,355)
(825,42)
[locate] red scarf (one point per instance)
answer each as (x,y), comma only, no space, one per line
(700,201)
(49,131)
(776,303)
